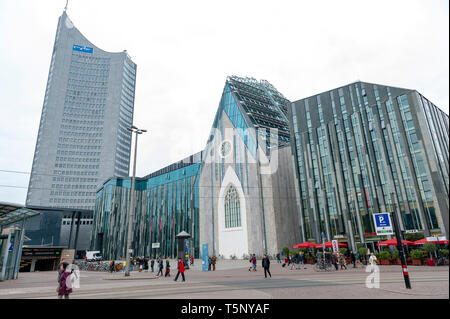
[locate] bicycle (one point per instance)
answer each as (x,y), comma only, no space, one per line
(323,266)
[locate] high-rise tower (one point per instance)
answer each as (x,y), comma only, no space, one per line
(83,138)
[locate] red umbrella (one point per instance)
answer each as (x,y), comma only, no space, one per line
(305,245)
(329,244)
(424,240)
(393,242)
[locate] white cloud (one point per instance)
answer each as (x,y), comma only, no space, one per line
(185,50)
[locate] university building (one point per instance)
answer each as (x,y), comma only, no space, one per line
(237,195)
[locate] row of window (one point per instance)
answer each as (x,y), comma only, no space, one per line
(71,133)
(87,88)
(82,122)
(79,140)
(75,194)
(79,166)
(80,173)
(84,116)
(72,201)
(82,222)
(78,147)
(78,159)
(75,180)
(72,186)
(81,128)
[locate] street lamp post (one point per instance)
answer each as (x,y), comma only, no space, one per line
(133,129)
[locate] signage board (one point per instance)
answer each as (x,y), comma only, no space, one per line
(155,245)
(82,48)
(335,245)
(383,224)
(205,257)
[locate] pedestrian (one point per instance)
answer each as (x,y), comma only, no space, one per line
(278,258)
(266,266)
(251,263)
(373,262)
(146,264)
(180,269)
(112,266)
(152,264)
(342,261)
(334,261)
(213,262)
(64,282)
(167,268)
(192,259)
(254,262)
(209,263)
(353,257)
(300,257)
(160,266)
(358,259)
(60,271)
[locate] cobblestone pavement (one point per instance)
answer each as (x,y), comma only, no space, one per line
(233,280)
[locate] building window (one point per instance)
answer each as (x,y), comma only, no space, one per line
(232,209)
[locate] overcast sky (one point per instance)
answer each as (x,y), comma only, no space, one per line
(184,51)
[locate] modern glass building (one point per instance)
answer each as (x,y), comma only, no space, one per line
(82,139)
(361,149)
(166,201)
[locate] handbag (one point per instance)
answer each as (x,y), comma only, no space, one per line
(58,287)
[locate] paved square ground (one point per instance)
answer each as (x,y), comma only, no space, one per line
(233,280)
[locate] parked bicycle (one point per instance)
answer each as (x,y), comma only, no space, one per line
(323,265)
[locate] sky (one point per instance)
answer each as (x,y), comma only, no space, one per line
(184,50)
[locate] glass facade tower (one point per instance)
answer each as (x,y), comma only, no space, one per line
(82,138)
(363,148)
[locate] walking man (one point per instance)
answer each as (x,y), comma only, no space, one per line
(353,257)
(278,258)
(180,269)
(152,264)
(266,266)
(160,266)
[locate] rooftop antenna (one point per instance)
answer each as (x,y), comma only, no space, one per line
(67,3)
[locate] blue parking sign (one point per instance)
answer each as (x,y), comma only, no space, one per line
(383,224)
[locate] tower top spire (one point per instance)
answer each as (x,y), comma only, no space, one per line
(67,4)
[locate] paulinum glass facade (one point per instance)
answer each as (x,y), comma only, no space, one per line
(166,203)
(82,138)
(362,148)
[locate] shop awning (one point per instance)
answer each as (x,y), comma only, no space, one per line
(424,240)
(393,242)
(329,244)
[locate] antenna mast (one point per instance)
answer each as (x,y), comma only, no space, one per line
(67,3)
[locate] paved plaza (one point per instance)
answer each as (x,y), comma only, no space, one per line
(233,280)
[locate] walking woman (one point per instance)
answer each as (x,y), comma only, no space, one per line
(65,284)
(167,268)
(180,269)
(266,266)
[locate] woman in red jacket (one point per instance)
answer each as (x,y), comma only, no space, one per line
(180,269)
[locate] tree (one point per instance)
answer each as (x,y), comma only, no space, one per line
(430,248)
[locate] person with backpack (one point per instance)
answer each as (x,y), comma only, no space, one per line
(181,270)
(65,283)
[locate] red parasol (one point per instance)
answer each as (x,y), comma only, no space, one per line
(393,242)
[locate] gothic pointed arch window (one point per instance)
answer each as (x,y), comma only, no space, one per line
(232,209)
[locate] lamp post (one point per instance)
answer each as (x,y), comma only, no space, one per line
(133,129)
